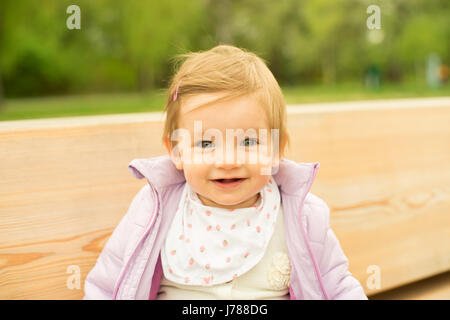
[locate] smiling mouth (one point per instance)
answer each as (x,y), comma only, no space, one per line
(228,180)
(228,183)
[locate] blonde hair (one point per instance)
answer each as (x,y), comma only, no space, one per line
(231,70)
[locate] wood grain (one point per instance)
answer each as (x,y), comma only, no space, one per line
(434,288)
(384,173)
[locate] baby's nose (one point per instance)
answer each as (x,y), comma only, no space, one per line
(227,165)
(229,159)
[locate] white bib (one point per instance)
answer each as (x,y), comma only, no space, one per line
(208,245)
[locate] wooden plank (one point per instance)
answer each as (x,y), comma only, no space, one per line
(62,192)
(64,186)
(385,175)
(434,288)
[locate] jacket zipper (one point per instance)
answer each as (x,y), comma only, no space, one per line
(316,269)
(148,227)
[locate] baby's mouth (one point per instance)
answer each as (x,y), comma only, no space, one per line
(228,180)
(228,183)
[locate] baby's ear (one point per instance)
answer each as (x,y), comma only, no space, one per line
(174,153)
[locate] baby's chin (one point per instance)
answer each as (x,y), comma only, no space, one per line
(230,202)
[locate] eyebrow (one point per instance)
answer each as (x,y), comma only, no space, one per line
(213,137)
(243,129)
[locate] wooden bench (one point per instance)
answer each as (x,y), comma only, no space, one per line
(385,174)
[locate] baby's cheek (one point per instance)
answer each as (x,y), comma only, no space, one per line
(189,174)
(263,180)
(260,180)
(194,174)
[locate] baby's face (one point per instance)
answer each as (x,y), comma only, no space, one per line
(208,155)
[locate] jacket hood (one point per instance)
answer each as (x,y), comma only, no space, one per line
(291,177)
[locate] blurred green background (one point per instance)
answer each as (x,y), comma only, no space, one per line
(120,59)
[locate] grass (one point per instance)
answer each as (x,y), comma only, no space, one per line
(83,105)
(97,104)
(355,91)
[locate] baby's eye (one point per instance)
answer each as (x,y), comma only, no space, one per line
(252,141)
(205,144)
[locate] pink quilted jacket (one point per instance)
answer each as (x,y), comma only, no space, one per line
(129,267)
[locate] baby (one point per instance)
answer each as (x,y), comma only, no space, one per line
(219,220)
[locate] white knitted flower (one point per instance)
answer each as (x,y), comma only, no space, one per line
(280,271)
